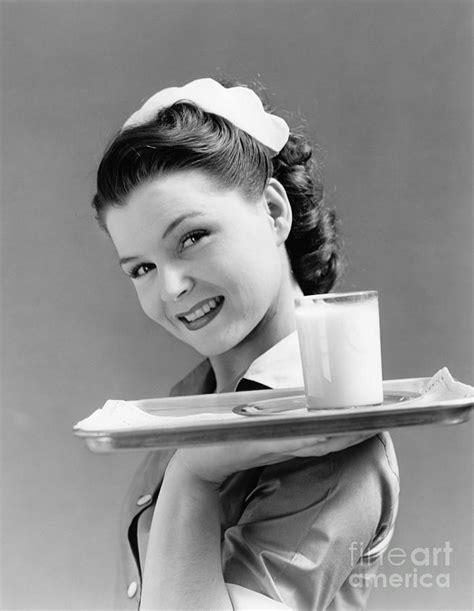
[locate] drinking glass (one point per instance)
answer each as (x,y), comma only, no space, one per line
(339,337)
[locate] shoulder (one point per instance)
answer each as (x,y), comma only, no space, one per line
(366,487)
(373,461)
(299,519)
(366,475)
(357,485)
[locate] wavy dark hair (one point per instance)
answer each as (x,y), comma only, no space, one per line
(184,136)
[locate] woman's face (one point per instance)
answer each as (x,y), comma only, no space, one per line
(206,262)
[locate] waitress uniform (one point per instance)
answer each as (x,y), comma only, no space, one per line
(307,533)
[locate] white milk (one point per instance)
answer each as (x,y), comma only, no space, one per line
(340,352)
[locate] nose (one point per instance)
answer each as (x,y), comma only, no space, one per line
(174,282)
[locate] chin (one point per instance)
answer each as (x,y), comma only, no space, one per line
(217,346)
(211,350)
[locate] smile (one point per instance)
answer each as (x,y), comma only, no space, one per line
(202,315)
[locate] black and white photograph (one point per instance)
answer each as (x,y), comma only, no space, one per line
(236,298)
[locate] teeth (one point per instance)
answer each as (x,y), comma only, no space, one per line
(205,309)
(198,313)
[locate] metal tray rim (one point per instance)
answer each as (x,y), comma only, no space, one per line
(332,422)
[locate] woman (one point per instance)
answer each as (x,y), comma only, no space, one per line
(218,220)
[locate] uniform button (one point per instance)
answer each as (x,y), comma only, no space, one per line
(132,589)
(143,500)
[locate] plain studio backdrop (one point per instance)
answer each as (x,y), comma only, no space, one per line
(386,89)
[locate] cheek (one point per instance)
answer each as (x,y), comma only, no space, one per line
(251,247)
(256,280)
(149,303)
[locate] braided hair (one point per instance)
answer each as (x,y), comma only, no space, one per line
(183,136)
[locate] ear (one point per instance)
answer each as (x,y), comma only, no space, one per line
(278,208)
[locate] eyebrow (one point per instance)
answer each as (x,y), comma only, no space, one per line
(171,227)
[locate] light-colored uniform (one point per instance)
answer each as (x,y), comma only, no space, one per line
(308,532)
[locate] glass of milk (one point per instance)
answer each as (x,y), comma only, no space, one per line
(339,337)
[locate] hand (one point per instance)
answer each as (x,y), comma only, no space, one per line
(212,464)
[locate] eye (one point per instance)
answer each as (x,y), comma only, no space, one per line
(141,270)
(192,238)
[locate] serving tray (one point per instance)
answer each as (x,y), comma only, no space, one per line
(226,417)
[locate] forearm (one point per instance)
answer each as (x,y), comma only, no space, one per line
(183,562)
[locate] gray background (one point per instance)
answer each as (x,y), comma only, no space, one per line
(385,87)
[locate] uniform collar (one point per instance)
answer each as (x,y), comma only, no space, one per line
(278,367)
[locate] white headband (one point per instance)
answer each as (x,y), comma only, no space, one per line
(240,105)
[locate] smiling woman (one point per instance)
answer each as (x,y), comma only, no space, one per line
(217,214)
(224,248)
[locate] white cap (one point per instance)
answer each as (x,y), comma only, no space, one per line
(239,105)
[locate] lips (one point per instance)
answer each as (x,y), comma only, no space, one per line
(202,313)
